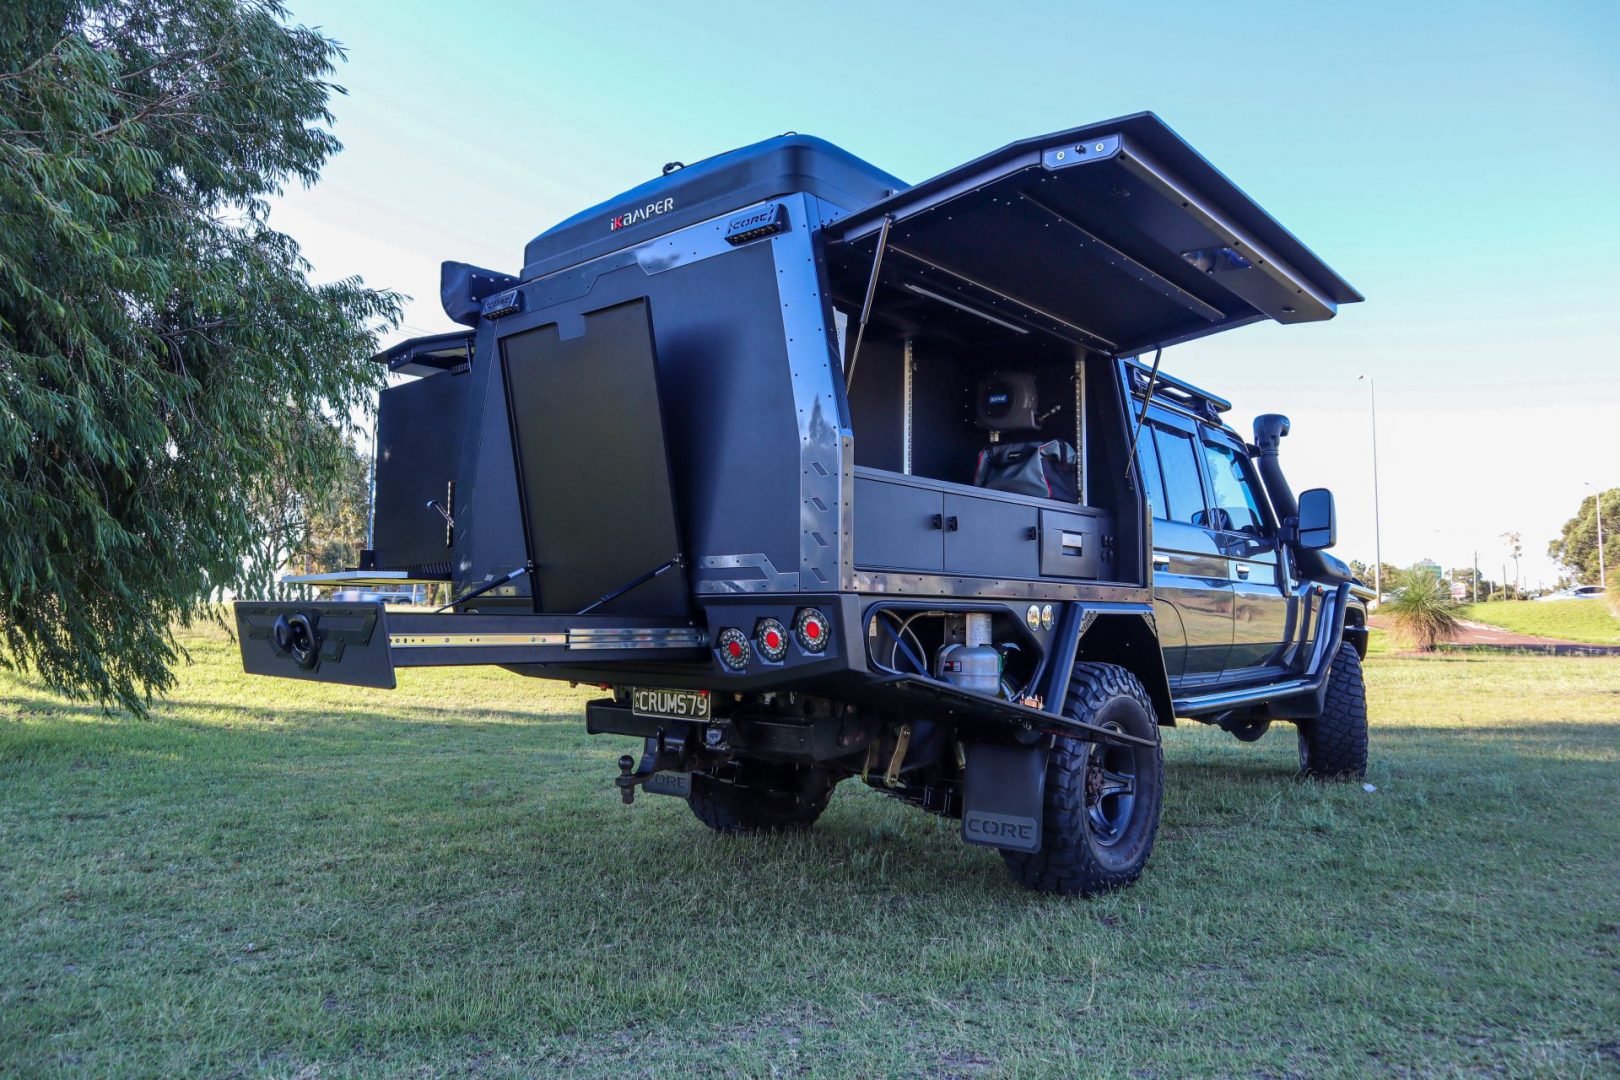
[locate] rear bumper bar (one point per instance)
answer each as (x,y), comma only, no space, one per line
(360,644)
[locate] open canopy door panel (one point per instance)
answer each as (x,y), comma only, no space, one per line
(1118,236)
(593,466)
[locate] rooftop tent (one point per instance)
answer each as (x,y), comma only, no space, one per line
(1118,236)
(689,194)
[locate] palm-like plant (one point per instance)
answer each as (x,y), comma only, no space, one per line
(1422,610)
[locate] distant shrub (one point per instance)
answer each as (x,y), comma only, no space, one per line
(1612,595)
(1422,610)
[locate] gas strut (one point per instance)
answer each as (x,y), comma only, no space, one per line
(622,589)
(484,588)
(1153,380)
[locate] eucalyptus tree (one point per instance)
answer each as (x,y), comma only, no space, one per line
(164,354)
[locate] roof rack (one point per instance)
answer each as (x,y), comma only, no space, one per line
(1183,395)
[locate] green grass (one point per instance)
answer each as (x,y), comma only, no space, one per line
(282,879)
(1571,620)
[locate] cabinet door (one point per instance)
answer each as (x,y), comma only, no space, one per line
(898,526)
(989,538)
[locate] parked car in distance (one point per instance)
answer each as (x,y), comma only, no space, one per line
(1578,592)
(367,595)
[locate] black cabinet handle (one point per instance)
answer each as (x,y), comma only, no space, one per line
(1032,533)
(937,521)
(950,523)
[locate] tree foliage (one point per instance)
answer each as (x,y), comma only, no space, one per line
(308,529)
(1421,607)
(1577,548)
(163,352)
(339,516)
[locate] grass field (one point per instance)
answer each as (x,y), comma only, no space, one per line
(280,879)
(1571,620)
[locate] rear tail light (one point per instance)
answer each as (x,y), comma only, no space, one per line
(812,630)
(771,638)
(733,649)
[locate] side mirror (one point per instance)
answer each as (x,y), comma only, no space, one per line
(1318,521)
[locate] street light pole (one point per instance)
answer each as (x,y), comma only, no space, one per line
(1597,499)
(1378,530)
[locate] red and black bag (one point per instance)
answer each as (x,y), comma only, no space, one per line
(1046,470)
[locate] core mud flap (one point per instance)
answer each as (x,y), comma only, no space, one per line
(1003,796)
(322,642)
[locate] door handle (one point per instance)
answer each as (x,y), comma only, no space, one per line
(1242,569)
(940,521)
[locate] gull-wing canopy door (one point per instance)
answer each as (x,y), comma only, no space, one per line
(1118,236)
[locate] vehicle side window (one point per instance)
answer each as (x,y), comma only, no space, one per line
(1183,490)
(1147,453)
(1231,492)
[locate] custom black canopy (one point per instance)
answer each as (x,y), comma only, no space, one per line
(1117,235)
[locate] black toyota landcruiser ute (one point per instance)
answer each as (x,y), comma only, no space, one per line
(824,477)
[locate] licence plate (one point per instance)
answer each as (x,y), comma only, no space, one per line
(670,704)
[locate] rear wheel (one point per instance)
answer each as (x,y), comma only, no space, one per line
(1334,745)
(1102,801)
(788,799)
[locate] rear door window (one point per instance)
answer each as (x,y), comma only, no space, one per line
(1183,489)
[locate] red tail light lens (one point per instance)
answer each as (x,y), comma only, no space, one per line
(812,630)
(733,649)
(772,640)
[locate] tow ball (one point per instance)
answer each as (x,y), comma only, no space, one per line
(660,753)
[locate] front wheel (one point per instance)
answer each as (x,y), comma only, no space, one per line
(1334,745)
(1101,807)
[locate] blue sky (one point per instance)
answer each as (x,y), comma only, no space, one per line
(1457,163)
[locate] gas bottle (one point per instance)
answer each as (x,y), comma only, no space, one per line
(973,664)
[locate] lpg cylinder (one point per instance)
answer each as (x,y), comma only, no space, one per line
(973,664)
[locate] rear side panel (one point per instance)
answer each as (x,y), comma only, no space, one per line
(745,365)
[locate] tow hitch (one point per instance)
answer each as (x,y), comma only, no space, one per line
(665,769)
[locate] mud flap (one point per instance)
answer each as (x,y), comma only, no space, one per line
(1003,796)
(320,641)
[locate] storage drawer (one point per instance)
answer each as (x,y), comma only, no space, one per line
(1076,545)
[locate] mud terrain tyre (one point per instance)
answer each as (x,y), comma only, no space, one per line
(1334,745)
(735,808)
(1102,801)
